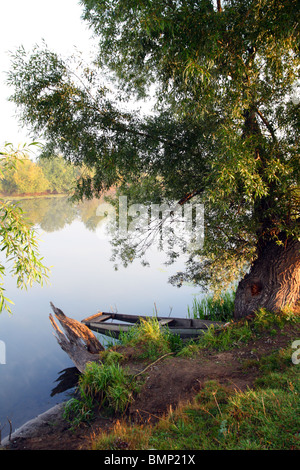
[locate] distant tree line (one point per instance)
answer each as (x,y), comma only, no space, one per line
(53,175)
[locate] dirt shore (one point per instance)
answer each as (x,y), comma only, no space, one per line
(167,382)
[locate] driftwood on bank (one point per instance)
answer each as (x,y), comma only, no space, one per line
(77,340)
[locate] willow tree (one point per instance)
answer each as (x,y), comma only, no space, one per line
(224,128)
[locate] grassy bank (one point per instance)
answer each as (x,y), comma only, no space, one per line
(265,416)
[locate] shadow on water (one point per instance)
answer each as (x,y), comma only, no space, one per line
(67,380)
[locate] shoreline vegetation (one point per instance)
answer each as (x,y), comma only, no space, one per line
(42,178)
(234,388)
(31,196)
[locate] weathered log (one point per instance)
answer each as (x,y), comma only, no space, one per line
(77,340)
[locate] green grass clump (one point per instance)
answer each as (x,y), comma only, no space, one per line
(214,309)
(78,411)
(222,340)
(107,385)
(151,339)
(101,386)
(268,321)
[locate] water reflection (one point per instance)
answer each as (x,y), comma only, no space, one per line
(55,213)
(67,379)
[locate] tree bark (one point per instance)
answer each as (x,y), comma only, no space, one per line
(77,340)
(273,281)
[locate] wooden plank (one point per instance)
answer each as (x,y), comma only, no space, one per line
(100,316)
(109,326)
(100,319)
(127,318)
(186,333)
(111,329)
(166,321)
(117,316)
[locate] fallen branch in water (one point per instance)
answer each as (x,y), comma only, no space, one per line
(77,340)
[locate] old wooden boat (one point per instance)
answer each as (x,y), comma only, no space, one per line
(78,341)
(112,324)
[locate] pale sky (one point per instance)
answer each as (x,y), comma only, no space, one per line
(27,23)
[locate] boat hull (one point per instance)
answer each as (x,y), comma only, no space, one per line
(104,323)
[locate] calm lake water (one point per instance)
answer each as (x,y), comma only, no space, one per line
(83,281)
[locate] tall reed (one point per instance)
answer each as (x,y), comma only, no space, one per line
(215,309)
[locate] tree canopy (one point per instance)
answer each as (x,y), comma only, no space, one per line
(61,175)
(224,128)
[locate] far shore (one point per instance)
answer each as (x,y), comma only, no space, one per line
(33,196)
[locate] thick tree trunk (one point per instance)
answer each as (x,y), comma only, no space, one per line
(273,281)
